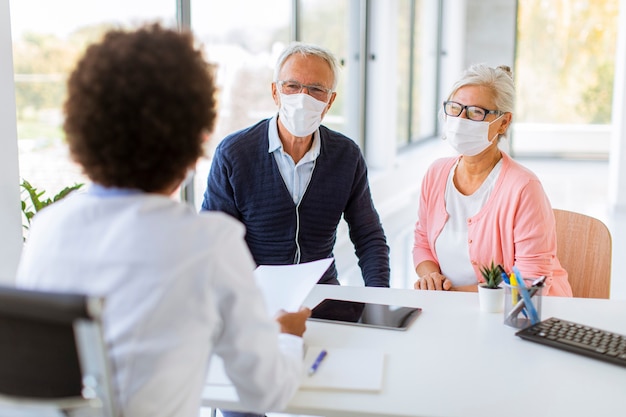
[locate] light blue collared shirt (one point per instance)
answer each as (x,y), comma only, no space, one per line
(295,176)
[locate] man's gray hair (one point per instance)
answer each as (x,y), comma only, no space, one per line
(308,50)
(499,80)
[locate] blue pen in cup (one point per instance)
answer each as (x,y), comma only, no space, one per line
(529,305)
(317,362)
(519,307)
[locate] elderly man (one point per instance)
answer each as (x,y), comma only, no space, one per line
(290,180)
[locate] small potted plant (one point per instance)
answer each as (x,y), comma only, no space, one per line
(490,293)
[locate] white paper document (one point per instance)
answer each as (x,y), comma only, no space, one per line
(283,287)
(344,369)
(286,286)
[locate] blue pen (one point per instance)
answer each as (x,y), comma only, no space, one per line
(505,277)
(317,362)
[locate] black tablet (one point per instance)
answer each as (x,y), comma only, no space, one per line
(382,316)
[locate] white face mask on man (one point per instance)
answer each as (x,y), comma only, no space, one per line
(300,113)
(467,137)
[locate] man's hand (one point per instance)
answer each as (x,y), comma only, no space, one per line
(293,323)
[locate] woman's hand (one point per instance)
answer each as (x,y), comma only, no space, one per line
(433,281)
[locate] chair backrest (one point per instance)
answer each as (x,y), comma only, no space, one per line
(584,250)
(52,353)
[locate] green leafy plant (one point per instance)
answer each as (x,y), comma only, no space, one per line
(492,275)
(34,200)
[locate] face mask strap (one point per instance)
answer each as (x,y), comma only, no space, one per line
(495,120)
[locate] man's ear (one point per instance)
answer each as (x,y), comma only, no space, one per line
(275,94)
(330,103)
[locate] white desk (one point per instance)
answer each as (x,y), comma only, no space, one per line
(458,361)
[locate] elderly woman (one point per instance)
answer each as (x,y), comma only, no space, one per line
(482,206)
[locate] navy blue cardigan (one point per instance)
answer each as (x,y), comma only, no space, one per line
(246,183)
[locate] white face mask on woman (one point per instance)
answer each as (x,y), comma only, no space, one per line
(467,137)
(301,114)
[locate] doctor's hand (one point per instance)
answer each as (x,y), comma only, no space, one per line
(433,281)
(293,323)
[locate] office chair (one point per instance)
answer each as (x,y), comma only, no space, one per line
(584,250)
(52,354)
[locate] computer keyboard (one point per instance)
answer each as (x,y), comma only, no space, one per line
(578,338)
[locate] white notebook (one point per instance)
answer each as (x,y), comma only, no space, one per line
(345,369)
(341,369)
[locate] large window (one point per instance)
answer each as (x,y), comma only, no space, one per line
(243,39)
(326,23)
(565,60)
(245,48)
(48,37)
(564,75)
(416,84)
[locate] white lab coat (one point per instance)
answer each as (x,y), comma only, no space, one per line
(179,286)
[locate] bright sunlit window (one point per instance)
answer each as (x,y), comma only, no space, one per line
(48,38)
(565,66)
(565,60)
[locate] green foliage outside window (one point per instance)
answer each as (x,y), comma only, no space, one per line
(565,60)
(42,63)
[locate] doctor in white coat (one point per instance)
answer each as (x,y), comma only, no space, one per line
(178,285)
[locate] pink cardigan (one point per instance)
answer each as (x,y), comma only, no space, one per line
(515,227)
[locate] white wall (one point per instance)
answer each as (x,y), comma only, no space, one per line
(10,214)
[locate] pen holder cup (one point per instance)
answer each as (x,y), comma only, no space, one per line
(517,312)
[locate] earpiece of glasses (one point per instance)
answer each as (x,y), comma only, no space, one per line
(475,113)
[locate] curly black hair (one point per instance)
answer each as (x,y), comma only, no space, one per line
(139,105)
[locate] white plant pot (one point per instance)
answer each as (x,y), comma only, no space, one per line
(491,300)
